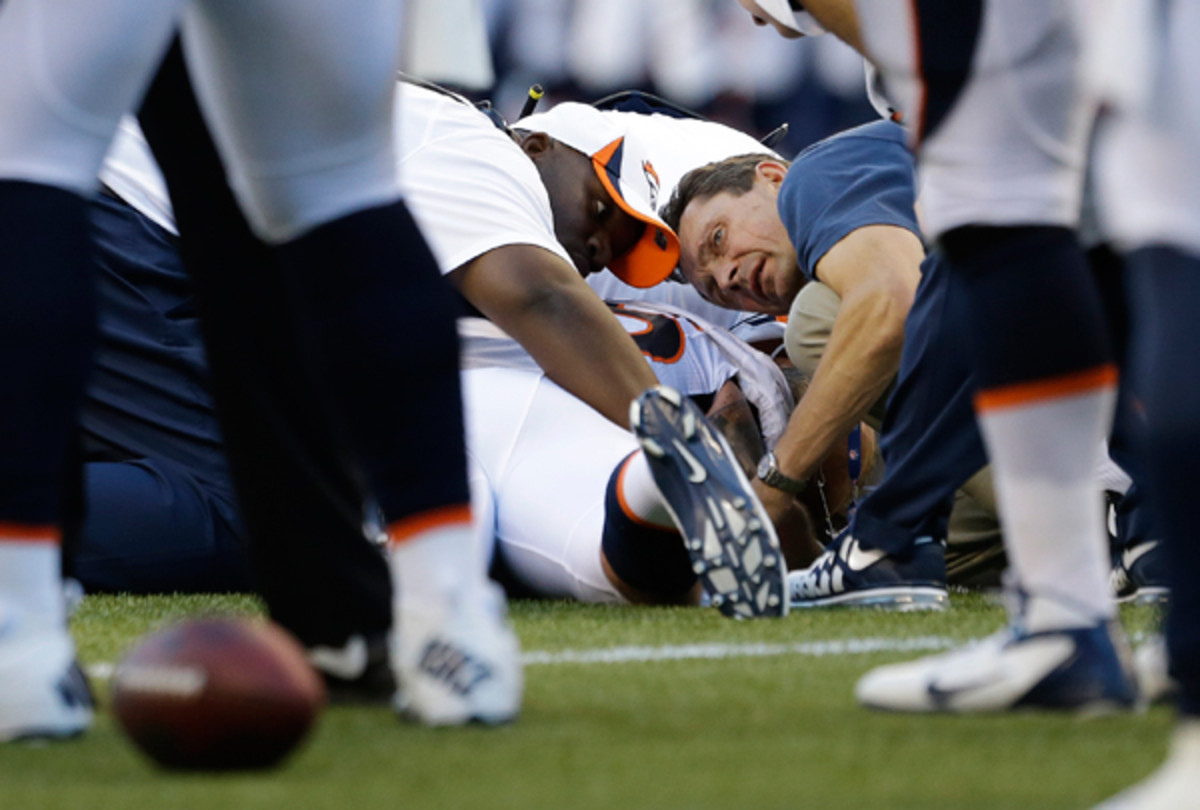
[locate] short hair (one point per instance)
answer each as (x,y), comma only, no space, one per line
(735,175)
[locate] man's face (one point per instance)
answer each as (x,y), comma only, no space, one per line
(735,250)
(763,18)
(587,222)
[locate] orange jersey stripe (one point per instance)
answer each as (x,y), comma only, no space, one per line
(29,533)
(1031,393)
(629,513)
(442,517)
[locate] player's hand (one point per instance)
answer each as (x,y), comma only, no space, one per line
(792,524)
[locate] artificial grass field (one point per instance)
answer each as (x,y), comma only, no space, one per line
(772,725)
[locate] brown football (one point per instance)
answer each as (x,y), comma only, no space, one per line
(216,694)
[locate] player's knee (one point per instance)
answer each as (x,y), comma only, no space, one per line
(649,564)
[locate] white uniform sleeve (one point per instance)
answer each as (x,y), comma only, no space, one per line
(469,186)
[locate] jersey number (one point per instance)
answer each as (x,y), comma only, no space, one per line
(661,339)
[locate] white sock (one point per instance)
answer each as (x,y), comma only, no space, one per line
(31,579)
(639,494)
(435,553)
(1044,458)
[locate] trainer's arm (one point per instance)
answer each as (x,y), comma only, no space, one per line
(875,270)
(544,304)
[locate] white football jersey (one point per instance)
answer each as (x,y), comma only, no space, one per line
(540,459)
(469,186)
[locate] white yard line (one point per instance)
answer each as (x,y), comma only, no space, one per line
(812,649)
(680,652)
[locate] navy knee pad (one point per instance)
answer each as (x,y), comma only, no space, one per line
(650,559)
(1035,310)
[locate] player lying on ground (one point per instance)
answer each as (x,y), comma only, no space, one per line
(482,252)
(547,470)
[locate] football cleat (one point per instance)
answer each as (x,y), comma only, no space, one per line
(358,671)
(43,692)
(1175,785)
(728,535)
(849,575)
(1074,668)
(1137,574)
(456,658)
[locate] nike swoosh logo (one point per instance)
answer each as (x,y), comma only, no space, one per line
(696,471)
(1132,555)
(347,662)
(941,696)
(858,558)
(1027,664)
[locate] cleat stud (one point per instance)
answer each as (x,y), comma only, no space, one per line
(699,567)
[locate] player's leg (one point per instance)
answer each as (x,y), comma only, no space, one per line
(151,527)
(67,73)
(545,458)
(930,446)
(1149,174)
(580,514)
(995,105)
(645,560)
(728,535)
(1164,367)
(300,497)
(303,121)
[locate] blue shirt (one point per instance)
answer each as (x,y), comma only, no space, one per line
(863,176)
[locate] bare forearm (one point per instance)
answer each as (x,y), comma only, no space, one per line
(839,18)
(543,303)
(861,359)
(576,340)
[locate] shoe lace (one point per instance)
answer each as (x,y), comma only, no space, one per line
(814,580)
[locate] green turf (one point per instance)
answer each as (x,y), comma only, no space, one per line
(746,732)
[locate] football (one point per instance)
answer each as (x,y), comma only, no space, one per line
(217,694)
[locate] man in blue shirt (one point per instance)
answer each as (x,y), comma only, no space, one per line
(753,232)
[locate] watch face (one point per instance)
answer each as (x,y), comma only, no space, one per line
(764,465)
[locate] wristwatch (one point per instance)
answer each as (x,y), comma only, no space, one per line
(769,474)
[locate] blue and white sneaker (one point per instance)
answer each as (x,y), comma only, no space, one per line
(1070,666)
(1138,575)
(43,692)
(849,575)
(728,534)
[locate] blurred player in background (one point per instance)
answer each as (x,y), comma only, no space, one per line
(298,98)
(991,98)
(1148,174)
